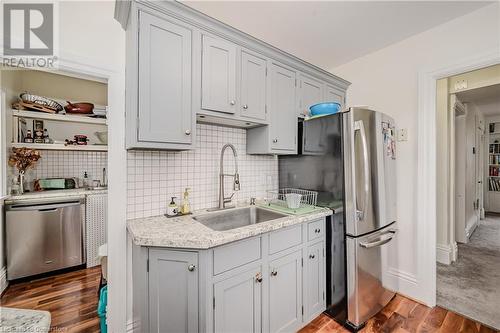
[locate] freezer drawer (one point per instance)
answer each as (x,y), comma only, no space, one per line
(366,261)
(44,236)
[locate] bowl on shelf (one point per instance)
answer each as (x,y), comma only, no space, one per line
(324,108)
(102,137)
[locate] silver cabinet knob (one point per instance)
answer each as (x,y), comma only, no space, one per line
(245,106)
(274,273)
(311,256)
(191,267)
(258,277)
(188,132)
(317,231)
(275,140)
(232,102)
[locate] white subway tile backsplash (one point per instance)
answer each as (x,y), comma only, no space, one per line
(155,176)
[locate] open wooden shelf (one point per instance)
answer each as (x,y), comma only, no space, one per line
(58,117)
(58,146)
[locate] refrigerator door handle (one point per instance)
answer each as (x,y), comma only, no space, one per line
(380,241)
(360,213)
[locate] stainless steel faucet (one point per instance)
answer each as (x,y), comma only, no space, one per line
(236,184)
(104,177)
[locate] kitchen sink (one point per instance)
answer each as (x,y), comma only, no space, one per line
(233,218)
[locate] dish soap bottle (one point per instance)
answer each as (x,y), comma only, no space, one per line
(185,202)
(172,208)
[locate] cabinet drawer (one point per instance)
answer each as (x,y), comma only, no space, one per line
(285,239)
(237,254)
(315,229)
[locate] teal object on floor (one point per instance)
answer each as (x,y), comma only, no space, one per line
(324,108)
(101,308)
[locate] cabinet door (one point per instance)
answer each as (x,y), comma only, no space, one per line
(165,62)
(311,92)
(333,94)
(285,293)
(218,77)
(282,99)
(253,86)
(238,303)
(173,291)
(314,284)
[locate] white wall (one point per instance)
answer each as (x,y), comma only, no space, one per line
(387,80)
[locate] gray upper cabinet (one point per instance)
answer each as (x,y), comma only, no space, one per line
(311,92)
(282,99)
(238,303)
(182,66)
(173,291)
(253,86)
(163,115)
(280,137)
(314,289)
(218,77)
(333,94)
(285,293)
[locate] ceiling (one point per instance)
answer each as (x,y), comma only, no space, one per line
(330,33)
(486,99)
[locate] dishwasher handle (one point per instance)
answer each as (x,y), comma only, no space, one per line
(43,208)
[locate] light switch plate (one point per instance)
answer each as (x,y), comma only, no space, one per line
(402,134)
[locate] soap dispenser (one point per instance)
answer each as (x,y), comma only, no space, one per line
(172,208)
(185,209)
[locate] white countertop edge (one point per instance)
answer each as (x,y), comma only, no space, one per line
(53,194)
(203,241)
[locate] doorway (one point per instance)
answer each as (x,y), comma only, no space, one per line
(468,226)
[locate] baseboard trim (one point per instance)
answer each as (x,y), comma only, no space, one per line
(403,282)
(444,254)
(3,280)
(405,276)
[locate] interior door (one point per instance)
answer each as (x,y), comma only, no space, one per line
(285,293)
(479,166)
(238,303)
(218,77)
(283,126)
(311,92)
(253,86)
(165,62)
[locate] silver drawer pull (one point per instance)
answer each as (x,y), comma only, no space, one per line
(274,273)
(188,132)
(245,106)
(191,267)
(258,277)
(275,140)
(312,256)
(380,241)
(232,102)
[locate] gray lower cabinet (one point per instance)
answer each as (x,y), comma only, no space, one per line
(314,290)
(285,293)
(270,283)
(173,291)
(238,303)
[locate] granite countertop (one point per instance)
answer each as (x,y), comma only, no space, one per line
(185,232)
(24,320)
(77,192)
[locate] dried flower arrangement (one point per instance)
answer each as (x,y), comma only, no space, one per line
(23,158)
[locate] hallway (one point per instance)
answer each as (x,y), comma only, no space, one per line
(470,286)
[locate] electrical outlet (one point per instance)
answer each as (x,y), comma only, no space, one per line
(402,134)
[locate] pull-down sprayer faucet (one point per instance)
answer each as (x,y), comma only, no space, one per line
(236,184)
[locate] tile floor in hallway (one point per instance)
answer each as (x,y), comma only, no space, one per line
(471,285)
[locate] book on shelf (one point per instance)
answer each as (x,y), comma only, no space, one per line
(494,184)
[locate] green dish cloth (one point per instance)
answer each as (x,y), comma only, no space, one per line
(52,184)
(305,209)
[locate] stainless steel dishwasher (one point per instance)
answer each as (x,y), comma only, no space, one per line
(44,235)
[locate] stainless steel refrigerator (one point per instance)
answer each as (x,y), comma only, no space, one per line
(349,159)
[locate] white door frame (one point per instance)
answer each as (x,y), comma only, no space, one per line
(426,191)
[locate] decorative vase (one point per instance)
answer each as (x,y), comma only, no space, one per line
(21,181)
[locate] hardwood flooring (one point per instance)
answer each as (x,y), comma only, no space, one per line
(403,315)
(71,298)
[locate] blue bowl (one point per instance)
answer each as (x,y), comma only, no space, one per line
(324,108)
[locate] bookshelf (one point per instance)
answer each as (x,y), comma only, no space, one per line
(494,158)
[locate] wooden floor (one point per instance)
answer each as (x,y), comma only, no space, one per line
(403,315)
(71,298)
